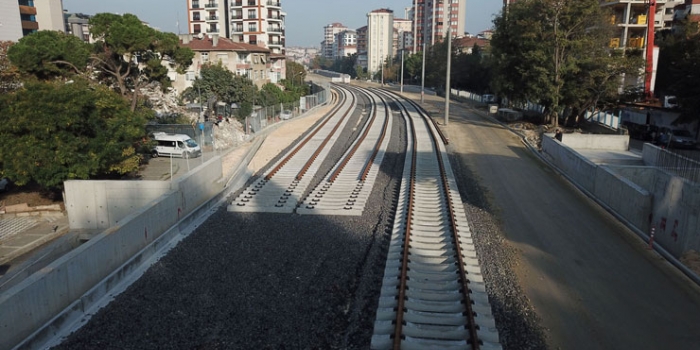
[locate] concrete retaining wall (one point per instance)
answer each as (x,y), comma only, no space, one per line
(676,213)
(103,204)
(64,283)
(629,200)
(593,141)
(578,168)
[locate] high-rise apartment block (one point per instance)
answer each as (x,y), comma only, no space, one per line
(345,44)
(23,17)
(431,18)
(380,38)
(255,22)
(329,33)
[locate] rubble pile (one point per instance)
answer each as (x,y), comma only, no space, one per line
(227,133)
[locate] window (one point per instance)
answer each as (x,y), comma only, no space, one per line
(223,58)
(195,16)
(189,76)
(242,57)
(196,29)
(252,14)
(252,27)
(205,56)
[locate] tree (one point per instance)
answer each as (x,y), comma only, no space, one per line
(9,74)
(552,52)
(61,131)
(217,83)
(49,54)
(679,70)
(472,71)
(130,54)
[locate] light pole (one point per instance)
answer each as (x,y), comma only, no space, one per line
(402,69)
(422,77)
(447,84)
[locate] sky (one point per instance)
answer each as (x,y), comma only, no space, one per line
(305,18)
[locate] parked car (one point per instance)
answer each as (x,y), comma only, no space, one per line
(286,114)
(676,138)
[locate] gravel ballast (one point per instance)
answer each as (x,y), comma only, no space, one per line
(286,281)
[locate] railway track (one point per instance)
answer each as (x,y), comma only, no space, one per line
(433,295)
(346,188)
(280,189)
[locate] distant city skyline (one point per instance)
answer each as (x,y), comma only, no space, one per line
(305,18)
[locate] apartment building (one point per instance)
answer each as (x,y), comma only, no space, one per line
(345,44)
(687,9)
(433,17)
(251,61)
(253,22)
(403,34)
(329,33)
(362,47)
(380,38)
(23,17)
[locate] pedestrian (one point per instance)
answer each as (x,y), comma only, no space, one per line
(558,135)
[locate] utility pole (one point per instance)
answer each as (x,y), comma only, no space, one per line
(402,69)
(422,78)
(447,84)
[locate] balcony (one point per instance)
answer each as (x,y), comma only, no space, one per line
(274,30)
(274,17)
(212,30)
(635,43)
(238,29)
(212,18)
(237,17)
(273,3)
(238,3)
(274,42)
(211,5)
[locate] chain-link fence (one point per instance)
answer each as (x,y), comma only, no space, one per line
(266,116)
(202,133)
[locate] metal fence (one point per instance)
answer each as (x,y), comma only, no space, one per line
(202,133)
(266,116)
(685,164)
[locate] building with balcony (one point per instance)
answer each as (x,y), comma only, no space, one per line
(687,9)
(345,44)
(251,61)
(403,35)
(380,38)
(362,47)
(329,33)
(208,17)
(433,17)
(253,22)
(23,17)
(78,24)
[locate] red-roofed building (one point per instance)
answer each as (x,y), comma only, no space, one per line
(466,44)
(252,61)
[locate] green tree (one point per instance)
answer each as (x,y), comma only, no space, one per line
(269,95)
(62,131)
(413,67)
(472,72)
(217,83)
(679,70)
(553,51)
(49,54)
(129,53)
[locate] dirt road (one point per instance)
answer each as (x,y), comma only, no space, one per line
(591,281)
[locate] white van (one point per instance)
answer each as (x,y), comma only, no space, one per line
(176,145)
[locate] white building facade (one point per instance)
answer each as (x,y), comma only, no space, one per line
(380,38)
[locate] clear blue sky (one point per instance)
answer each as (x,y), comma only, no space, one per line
(305,18)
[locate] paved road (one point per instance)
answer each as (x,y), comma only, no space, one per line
(591,281)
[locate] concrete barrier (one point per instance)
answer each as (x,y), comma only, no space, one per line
(596,141)
(102,204)
(629,200)
(578,168)
(63,287)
